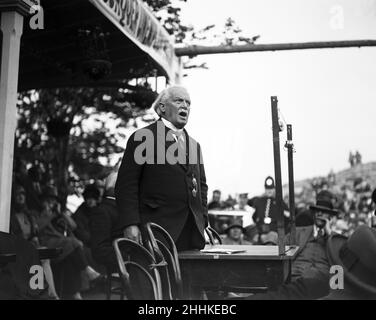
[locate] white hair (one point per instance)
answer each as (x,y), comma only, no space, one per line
(162,97)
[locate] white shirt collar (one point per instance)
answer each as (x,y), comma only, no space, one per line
(169,125)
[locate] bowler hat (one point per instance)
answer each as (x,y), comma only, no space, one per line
(357,255)
(324,203)
(269,183)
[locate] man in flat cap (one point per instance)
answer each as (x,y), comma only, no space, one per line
(162,178)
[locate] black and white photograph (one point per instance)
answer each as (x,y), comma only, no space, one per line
(187,156)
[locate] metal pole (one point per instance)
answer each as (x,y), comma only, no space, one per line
(290,161)
(278,178)
(200,50)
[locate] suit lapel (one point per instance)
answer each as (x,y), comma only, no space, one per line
(304,236)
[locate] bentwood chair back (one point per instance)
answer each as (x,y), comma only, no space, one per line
(214,237)
(138,270)
(161,243)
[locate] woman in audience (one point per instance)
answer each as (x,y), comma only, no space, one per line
(23,224)
(72,261)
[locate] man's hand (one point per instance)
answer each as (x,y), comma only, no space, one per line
(327,228)
(133,233)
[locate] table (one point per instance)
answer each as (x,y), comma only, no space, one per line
(259,267)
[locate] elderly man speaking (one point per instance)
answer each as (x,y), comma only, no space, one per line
(162,178)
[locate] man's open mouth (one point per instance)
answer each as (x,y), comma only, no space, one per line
(183,113)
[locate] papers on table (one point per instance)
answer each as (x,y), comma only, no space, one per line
(221,251)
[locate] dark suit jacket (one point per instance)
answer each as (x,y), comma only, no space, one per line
(311,258)
(103,224)
(82,218)
(161,193)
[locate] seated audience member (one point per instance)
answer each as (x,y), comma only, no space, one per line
(215,203)
(82,215)
(103,226)
(357,256)
(235,235)
(15,276)
(23,224)
(312,240)
(72,259)
(310,268)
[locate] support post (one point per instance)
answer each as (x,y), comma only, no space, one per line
(290,160)
(278,178)
(11,27)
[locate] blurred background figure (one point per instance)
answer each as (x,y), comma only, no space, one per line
(235,235)
(242,205)
(82,215)
(103,227)
(358,158)
(373,218)
(56,231)
(23,223)
(266,211)
(216,203)
(351,159)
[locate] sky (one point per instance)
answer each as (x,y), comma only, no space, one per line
(328,95)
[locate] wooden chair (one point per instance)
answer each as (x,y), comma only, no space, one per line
(164,245)
(114,285)
(138,271)
(213,235)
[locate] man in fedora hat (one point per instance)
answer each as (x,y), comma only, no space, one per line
(310,269)
(357,257)
(311,258)
(235,234)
